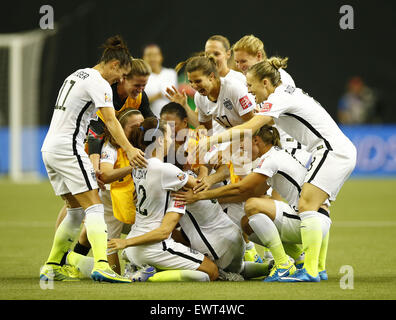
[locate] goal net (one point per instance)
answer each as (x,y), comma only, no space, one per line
(20,66)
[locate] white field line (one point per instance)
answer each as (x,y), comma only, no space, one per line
(341,224)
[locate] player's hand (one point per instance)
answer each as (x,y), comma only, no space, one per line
(175,96)
(203,184)
(136,158)
(117,244)
(185,197)
(100,182)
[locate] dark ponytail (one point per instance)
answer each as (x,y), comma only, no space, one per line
(143,136)
(115,48)
(270,135)
(200,61)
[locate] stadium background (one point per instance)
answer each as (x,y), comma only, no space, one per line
(322,58)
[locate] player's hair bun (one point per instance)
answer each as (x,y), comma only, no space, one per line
(115,43)
(115,48)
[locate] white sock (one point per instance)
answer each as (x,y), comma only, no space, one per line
(265,230)
(249,245)
(65,234)
(83,263)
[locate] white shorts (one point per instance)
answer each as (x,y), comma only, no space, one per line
(232,259)
(114,226)
(69,173)
(288,223)
(235,211)
(329,170)
(165,255)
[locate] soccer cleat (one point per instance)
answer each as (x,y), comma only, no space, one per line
(323,275)
(282,270)
(300,275)
(103,273)
(73,271)
(51,272)
(142,274)
(300,261)
(252,255)
(230,276)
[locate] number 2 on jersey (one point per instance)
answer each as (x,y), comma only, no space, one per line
(69,84)
(142,193)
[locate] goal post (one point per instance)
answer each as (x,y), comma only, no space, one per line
(22,100)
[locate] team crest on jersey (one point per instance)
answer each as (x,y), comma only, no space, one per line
(227,103)
(107,98)
(181,176)
(265,107)
(245,102)
(104,155)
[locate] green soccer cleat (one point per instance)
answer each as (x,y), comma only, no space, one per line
(73,271)
(253,256)
(103,273)
(50,272)
(281,270)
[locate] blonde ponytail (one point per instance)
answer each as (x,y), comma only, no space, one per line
(269,68)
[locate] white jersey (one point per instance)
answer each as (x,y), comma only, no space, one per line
(157,83)
(81,94)
(286,174)
(208,228)
(232,74)
(153,186)
(286,78)
(303,118)
(233,102)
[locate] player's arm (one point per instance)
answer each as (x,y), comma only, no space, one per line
(135,156)
(259,191)
(246,117)
(221,174)
(181,98)
(237,132)
(109,174)
(144,107)
(245,188)
(159,234)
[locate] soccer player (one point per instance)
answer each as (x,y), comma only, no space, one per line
(248,51)
(218,46)
(223,100)
(157,214)
(303,118)
(175,113)
(278,221)
(209,230)
(119,205)
(127,93)
(69,169)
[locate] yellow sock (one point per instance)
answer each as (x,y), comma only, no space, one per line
(97,232)
(65,234)
(323,253)
(311,236)
(179,276)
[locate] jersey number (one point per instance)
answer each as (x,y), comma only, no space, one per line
(223,121)
(69,84)
(142,192)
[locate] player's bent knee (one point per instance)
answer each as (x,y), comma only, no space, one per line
(246,228)
(210,268)
(252,206)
